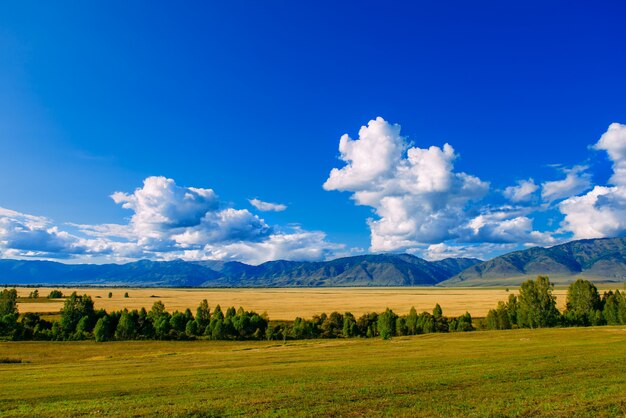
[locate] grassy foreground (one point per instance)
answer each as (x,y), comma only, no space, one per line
(558,372)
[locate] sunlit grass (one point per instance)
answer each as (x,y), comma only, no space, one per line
(523,372)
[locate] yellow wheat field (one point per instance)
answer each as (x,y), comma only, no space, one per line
(288,303)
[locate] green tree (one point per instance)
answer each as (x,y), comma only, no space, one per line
(367,324)
(157,310)
(203,314)
(437,311)
(83,328)
(102,330)
(411,322)
(162,326)
(386,324)
(441,322)
(231,312)
(145,324)
(110,295)
(611,307)
(217,330)
(55,294)
(8,302)
(512,308)
(217,313)
(583,301)
(75,308)
(126,327)
(426,323)
(464,323)
(537,304)
(191,329)
(332,325)
(401,328)
(178,322)
(498,318)
(349,328)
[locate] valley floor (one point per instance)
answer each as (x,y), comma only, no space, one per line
(288,303)
(553,372)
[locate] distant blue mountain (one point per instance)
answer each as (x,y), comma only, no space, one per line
(364,270)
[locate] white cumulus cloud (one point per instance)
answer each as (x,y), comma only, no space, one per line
(613,141)
(415,192)
(597,214)
(602,211)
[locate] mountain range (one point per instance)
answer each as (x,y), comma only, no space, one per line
(600,260)
(603,260)
(363,270)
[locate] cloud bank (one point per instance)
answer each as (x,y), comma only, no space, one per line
(168,221)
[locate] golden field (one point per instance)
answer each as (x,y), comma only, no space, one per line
(288,303)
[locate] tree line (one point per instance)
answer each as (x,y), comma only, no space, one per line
(79,320)
(534,307)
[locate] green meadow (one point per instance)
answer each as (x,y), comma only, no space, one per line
(551,372)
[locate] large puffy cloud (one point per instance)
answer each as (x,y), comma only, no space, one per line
(602,211)
(161,204)
(415,192)
(167,215)
(576,181)
(368,159)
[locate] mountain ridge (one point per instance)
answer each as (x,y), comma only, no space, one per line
(364,270)
(602,259)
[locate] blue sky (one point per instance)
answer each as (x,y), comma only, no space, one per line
(251,101)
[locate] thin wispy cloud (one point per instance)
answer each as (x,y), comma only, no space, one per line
(267,206)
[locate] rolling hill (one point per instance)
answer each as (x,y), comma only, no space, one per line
(602,260)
